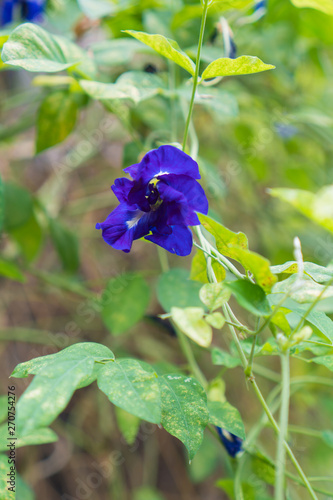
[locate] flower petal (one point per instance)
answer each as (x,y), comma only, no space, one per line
(191,190)
(125,224)
(178,242)
(121,188)
(164,160)
(184,197)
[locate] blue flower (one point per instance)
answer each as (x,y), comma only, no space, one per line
(233,444)
(29,10)
(158,204)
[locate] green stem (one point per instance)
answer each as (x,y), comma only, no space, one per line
(305,431)
(188,353)
(266,408)
(196,73)
(249,367)
(282,436)
(163,258)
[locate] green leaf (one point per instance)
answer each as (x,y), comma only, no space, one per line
(216,320)
(243,65)
(95,9)
(56,119)
(135,86)
(327,437)
(18,206)
(325,361)
(226,416)
(66,245)
(214,295)
(250,296)
(165,47)
(325,6)
(11,271)
(116,52)
(39,436)
(317,207)
(4,470)
(76,352)
(29,237)
(199,268)
(263,468)
(318,273)
(124,302)
(235,245)
(147,493)
(223,358)
(184,410)
(131,387)
(190,321)
(222,5)
(23,490)
(174,289)
(128,425)
(32,48)
(308,292)
(58,376)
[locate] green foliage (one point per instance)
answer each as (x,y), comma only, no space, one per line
(247,134)
(18,206)
(199,268)
(317,207)
(66,245)
(165,47)
(32,48)
(223,358)
(243,65)
(57,377)
(135,86)
(226,416)
(128,424)
(191,322)
(124,302)
(56,119)
(235,245)
(214,295)
(38,436)
(184,410)
(323,5)
(11,271)
(174,289)
(5,493)
(133,387)
(250,296)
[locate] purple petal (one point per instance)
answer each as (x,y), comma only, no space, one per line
(161,161)
(178,242)
(191,190)
(125,224)
(121,188)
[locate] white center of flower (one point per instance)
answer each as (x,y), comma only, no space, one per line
(137,216)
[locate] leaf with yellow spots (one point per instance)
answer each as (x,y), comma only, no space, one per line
(184,409)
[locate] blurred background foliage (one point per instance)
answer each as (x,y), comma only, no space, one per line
(61,151)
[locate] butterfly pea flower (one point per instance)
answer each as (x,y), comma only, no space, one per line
(159,202)
(233,444)
(28,10)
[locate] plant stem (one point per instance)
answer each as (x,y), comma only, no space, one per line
(284,417)
(266,407)
(188,353)
(305,431)
(196,73)
(163,258)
